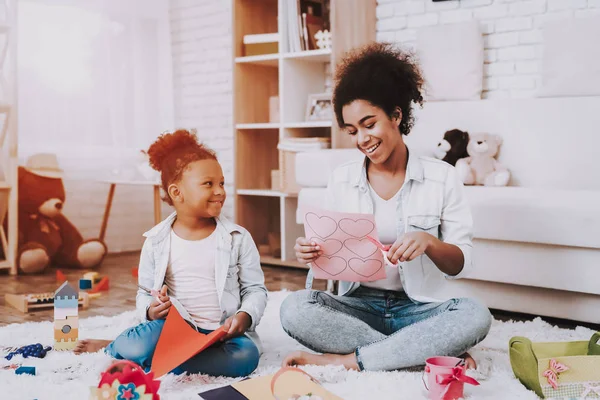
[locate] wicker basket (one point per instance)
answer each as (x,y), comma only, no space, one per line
(561,370)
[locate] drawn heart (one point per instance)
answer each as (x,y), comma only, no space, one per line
(361,247)
(357,228)
(328,246)
(366,268)
(331,265)
(321,226)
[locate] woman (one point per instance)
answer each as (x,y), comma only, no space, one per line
(418,205)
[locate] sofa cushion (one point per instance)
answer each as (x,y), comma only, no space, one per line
(557,217)
(549,216)
(313,168)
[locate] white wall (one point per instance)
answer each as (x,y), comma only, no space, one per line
(513,38)
(201,46)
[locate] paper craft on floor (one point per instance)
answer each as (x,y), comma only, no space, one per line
(178,342)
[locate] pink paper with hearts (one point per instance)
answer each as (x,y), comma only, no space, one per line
(347,254)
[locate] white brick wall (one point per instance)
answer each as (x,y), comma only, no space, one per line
(202,59)
(512,33)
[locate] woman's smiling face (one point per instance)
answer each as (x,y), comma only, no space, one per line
(373,132)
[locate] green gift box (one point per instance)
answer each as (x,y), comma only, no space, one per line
(558,370)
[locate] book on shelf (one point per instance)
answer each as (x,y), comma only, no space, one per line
(304,19)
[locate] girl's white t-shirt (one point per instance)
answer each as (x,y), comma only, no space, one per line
(190,278)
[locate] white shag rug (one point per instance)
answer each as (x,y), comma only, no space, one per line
(62,375)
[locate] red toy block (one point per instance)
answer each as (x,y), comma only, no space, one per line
(134,272)
(60,277)
(101,286)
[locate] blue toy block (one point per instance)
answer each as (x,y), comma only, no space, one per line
(85,284)
(66,303)
(25,370)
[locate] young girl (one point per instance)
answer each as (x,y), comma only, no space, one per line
(203,265)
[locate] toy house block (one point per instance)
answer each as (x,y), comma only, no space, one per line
(85,284)
(66,296)
(25,370)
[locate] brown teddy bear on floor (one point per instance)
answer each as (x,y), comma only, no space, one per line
(45,235)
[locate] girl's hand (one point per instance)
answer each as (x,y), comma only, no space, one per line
(409,247)
(159,308)
(236,325)
(307,251)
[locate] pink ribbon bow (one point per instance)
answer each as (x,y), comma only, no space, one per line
(458,374)
(551,374)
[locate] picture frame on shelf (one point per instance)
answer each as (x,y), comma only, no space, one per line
(319,107)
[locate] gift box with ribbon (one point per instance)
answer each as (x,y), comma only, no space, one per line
(125,380)
(558,370)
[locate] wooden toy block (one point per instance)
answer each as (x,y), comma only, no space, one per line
(134,272)
(25,370)
(66,333)
(72,321)
(60,277)
(34,301)
(68,345)
(85,284)
(66,296)
(64,313)
(92,276)
(101,286)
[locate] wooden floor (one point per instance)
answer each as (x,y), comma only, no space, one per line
(121,296)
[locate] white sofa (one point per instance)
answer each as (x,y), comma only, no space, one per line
(536,242)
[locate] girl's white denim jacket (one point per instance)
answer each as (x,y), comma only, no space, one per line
(431,200)
(238,274)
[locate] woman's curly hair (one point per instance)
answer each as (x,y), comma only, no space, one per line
(171,153)
(384,76)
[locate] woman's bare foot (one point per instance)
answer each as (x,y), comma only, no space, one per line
(303,358)
(469,361)
(90,345)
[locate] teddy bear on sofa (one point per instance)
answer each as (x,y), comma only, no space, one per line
(453,146)
(46,236)
(481,168)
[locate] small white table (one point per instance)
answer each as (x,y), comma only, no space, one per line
(111,193)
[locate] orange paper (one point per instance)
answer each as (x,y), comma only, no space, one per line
(178,342)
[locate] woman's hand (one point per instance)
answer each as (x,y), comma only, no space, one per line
(159,308)
(409,247)
(307,251)
(236,325)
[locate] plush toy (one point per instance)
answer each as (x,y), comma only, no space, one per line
(481,168)
(453,147)
(45,235)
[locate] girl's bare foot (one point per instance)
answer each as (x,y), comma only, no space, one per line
(303,358)
(90,345)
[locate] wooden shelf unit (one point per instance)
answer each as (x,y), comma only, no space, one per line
(292,76)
